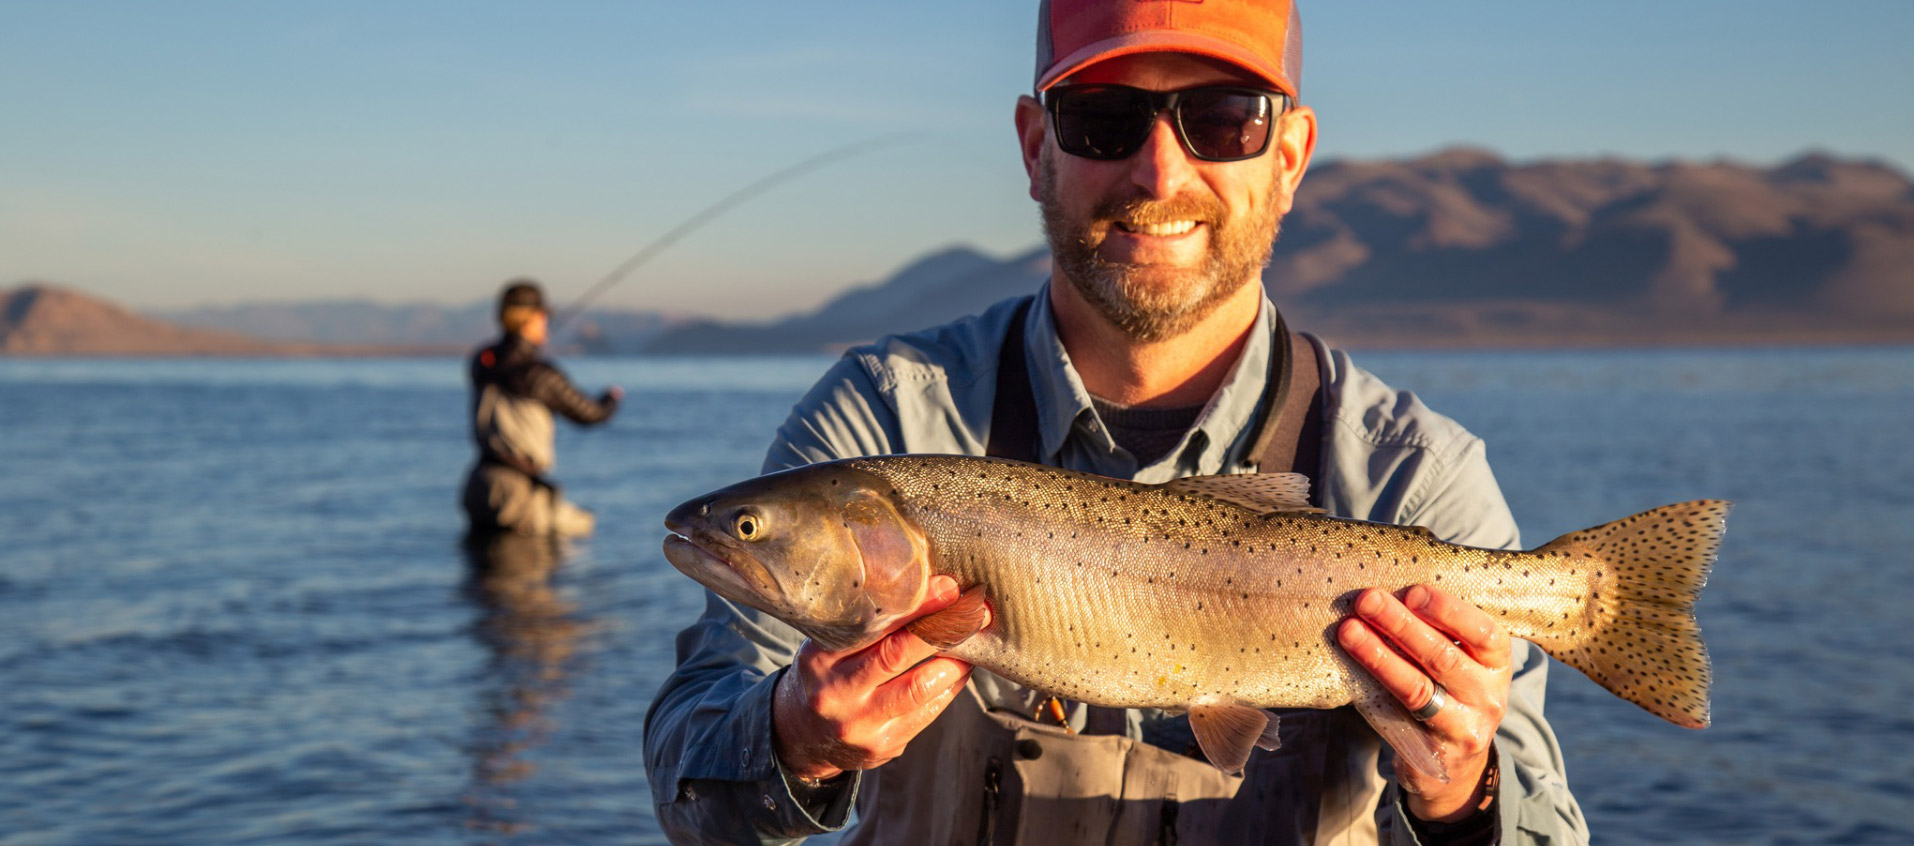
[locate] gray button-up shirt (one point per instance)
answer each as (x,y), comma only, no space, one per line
(1386,458)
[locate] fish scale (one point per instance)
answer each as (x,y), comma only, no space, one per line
(1217,595)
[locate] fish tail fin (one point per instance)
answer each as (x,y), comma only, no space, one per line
(1641,640)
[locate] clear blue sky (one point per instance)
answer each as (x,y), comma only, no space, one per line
(186,152)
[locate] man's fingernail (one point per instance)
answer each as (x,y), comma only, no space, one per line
(1418,598)
(1369,603)
(1348,635)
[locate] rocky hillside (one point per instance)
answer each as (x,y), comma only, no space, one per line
(46,320)
(1462,245)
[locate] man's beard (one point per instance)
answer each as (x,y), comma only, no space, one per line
(1238,250)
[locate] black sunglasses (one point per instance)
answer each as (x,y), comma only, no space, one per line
(1215,123)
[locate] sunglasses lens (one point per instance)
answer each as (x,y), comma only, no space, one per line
(1101,123)
(1223,124)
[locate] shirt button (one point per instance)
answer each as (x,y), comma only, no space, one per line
(770,804)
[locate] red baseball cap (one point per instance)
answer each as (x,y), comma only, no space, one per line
(1264,37)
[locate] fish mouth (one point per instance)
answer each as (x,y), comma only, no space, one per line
(740,579)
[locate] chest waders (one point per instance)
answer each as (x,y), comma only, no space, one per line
(992,776)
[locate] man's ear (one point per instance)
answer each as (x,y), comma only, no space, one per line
(1295,143)
(1032,135)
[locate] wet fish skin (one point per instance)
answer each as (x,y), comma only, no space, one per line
(1217,595)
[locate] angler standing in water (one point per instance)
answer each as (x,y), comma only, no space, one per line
(1163,142)
(514,392)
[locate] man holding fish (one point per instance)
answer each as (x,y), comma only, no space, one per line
(1164,145)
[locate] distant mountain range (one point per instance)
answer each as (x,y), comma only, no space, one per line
(1458,248)
(1462,248)
(931,290)
(424,325)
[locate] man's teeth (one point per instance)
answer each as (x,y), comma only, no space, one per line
(1175,227)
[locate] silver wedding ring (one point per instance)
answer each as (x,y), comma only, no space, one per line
(1436,700)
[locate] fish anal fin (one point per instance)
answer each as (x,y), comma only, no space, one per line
(1271,739)
(1263,493)
(956,623)
(1414,743)
(1227,732)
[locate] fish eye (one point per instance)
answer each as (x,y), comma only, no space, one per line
(748,526)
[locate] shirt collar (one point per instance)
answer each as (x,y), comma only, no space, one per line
(1217,439)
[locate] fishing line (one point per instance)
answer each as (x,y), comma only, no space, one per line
(691,224)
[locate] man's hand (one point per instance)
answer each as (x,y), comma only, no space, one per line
(1430,634)
(838,711)
(615,392)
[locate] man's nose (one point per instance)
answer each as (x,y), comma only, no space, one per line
(1162,167)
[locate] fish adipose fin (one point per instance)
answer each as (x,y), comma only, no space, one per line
(956,623)
(1263,493)
(1227,732)
(1639,637)
(1414,743)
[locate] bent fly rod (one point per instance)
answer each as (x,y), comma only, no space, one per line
(712,212)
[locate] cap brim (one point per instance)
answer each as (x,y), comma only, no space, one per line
(1166,42)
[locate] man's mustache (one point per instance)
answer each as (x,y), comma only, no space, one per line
(1142,210)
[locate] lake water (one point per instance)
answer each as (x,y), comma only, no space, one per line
(234,607)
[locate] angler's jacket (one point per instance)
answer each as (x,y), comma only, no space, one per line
(983,773)
(514,392)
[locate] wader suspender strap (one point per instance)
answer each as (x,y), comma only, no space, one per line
(1013,414)
(1288,438)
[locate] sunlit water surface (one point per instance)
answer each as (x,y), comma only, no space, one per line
(234,607)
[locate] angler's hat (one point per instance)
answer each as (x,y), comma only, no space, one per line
(521,292)
(1264,37)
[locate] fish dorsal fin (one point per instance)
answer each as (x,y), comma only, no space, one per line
(1227,732)
(1263,493)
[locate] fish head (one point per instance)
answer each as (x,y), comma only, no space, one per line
(824,548)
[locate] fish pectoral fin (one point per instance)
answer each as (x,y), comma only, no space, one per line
(1412,740)
(1263,493)
(1227,732)
(956,623)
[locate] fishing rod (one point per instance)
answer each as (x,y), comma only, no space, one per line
(712,212)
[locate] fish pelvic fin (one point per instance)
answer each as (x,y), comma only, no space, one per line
(1227,732)
(956,623)
(1642,641)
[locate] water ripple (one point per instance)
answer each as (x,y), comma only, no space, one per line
(233,608)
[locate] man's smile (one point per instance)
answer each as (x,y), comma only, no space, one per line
(1179,242)
(1160,230)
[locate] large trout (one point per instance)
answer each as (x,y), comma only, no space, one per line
(1216,595)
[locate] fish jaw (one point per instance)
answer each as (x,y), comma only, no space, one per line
(737,578)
